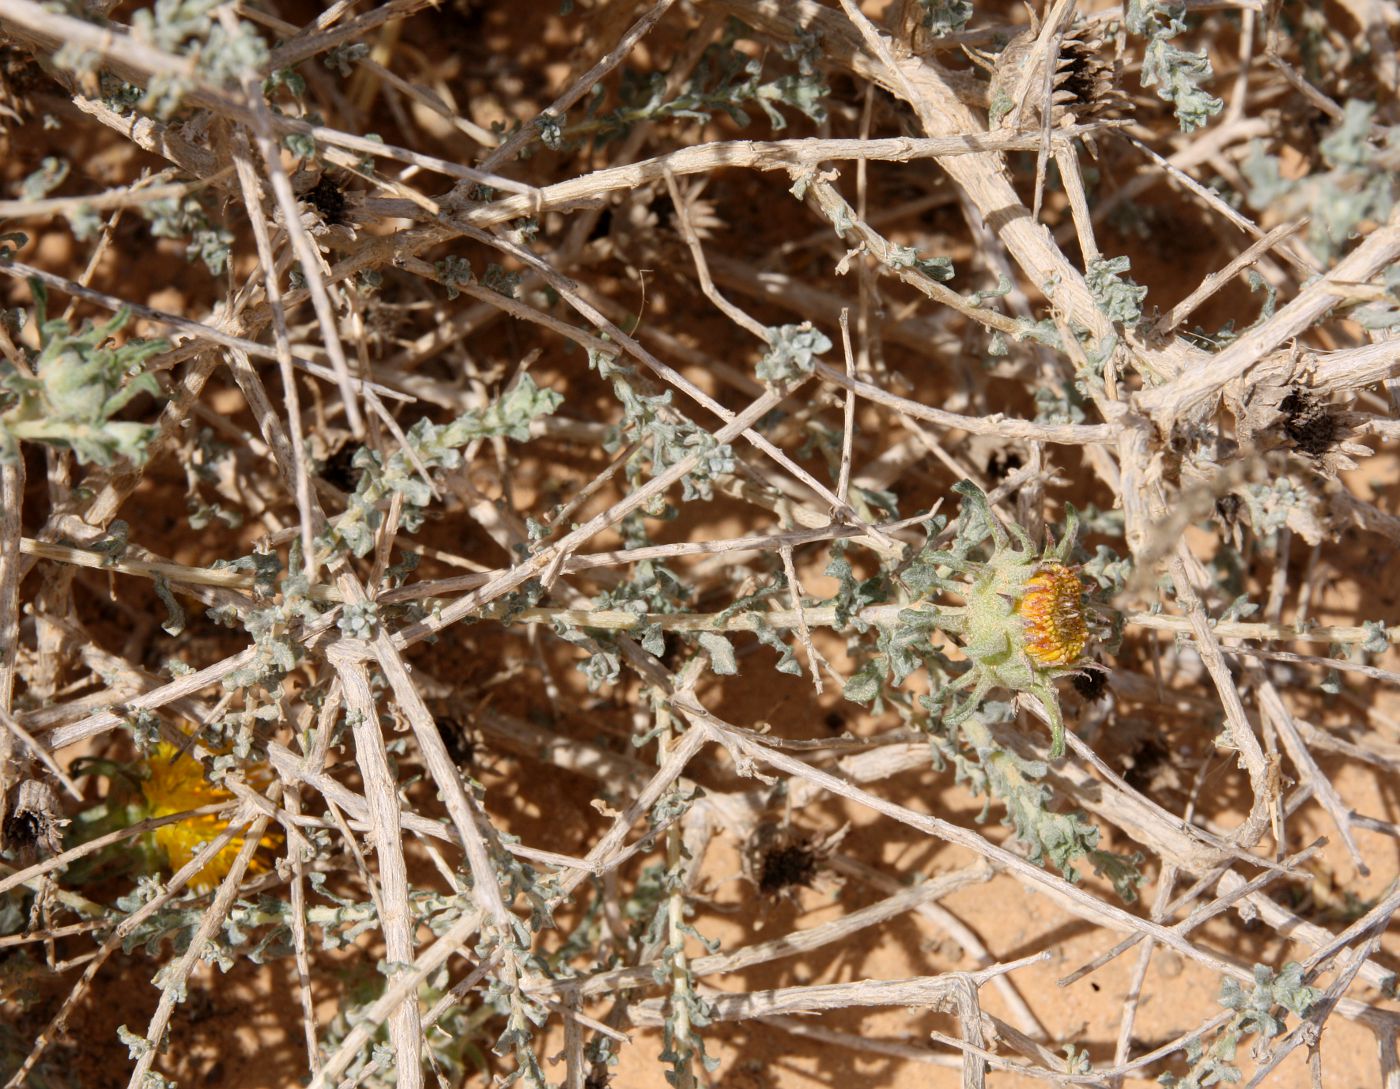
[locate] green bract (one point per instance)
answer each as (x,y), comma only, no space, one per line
(80,382)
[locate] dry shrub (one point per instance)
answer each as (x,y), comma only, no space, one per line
(537,537)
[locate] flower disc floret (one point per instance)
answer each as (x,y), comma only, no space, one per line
(1053,611)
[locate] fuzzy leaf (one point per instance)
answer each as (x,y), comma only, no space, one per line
(792,352)
(721,653)
(864,685)
(1116,295)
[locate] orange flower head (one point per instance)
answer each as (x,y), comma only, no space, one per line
(174,783)
(1027,618)
(1052,608)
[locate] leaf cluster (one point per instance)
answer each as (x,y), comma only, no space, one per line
(431,446)
(1116,295)
(725,81)
(1176,73)
(1260,1011)
(1060,838)
(660,436)
(185,218)
(191,29)
(1356,185)
(792,352)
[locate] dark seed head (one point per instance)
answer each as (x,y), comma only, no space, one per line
(1000,466)
(1090,684)
(671,655)
(340,470)
(456,739)
(1143,761)
(1078,76)
(1307,423)
(787,866)
(22,830)
(327,199)
(33,822)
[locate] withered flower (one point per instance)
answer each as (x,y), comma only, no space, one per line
(1301,419)
(779,859)
(1083,86)
(33,826)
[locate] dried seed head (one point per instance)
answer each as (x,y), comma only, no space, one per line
(33,826)
(1227,508)
(1086,80)
(787,865)
(1053,611)
(1090,683)
(339,469)
(327,199)
(1149,767)
(459,739)
(646,225)
(1269,415)
(779,859)
(1083,86)
(1307,422)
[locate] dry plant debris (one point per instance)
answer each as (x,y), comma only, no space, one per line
(500,503)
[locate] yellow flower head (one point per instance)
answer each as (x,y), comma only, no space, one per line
(1053,610)
(1026,621)
(174,783)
